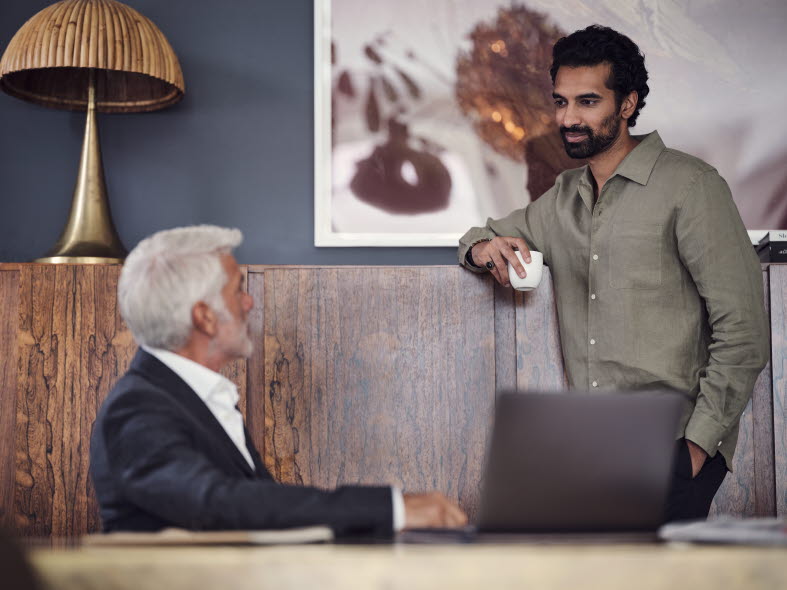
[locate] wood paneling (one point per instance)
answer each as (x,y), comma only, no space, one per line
(539,358)
(505,338)
(763,433)
(749,489)
(9,319)
(370,375)
(256,393)
(379,375)
(72,348)
(778,291)
(737,494)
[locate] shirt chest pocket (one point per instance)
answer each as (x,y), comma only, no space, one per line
(635,256)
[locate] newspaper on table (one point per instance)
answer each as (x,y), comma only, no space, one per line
(174,537)
(737,531)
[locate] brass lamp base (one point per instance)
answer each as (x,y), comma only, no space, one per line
(89,236)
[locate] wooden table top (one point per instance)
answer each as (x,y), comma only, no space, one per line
(411,567)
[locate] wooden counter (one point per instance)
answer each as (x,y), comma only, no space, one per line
(409,567)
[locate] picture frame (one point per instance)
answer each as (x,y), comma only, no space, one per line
(325,234)
(709,98)
(342,219)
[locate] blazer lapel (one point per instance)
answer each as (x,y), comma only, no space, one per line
(259,466)
(167,379)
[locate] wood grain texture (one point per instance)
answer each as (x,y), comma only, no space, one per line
(778,291)
(359,374)
(379,375)
(72,348)
(505,338)
(9,319)
(737,494)
(256,390)
(539,358)
(762,428)
(749,489)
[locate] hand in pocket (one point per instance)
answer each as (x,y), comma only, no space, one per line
(698,457)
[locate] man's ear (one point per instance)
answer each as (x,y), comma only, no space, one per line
(629,104)
(204,319)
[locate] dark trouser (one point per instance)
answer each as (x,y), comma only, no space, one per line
(690,498)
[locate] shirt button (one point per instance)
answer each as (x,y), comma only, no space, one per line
(595,256)
(592,341)
(593,296)
(595,384)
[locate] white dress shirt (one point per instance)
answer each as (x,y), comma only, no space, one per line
(221,397)
(217,392)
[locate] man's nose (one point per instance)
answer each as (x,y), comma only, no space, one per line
(570,116)
(248,302)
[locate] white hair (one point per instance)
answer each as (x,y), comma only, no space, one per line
(166,275)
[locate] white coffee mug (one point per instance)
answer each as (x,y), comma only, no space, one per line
(533,270)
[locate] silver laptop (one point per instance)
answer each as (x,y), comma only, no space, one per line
(587,464)
(580,462)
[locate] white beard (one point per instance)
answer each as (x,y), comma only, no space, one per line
(233,338)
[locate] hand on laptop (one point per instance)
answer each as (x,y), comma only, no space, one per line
(432,510)
(698,457)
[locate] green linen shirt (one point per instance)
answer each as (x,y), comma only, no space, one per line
(657,284)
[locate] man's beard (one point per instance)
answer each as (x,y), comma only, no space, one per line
(593,144)
(233,338)
(241,345)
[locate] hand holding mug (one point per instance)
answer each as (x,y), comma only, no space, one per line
(496,253)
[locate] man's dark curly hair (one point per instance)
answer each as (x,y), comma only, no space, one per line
(596,45)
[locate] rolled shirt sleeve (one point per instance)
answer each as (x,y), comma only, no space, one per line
(715,249)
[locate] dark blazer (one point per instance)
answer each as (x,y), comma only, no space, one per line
(158,458)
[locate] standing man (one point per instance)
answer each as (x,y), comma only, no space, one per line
(169,447)
(656,281)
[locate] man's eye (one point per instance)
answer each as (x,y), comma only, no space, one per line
(560,103)
(589,102)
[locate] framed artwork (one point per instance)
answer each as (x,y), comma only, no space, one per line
(432,116)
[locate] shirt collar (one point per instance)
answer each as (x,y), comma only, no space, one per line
(639,163)
(201,379)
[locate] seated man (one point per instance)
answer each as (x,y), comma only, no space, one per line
(169,447)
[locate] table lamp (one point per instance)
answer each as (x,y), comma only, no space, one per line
(91,55)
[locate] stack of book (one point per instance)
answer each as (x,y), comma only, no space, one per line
(773,247)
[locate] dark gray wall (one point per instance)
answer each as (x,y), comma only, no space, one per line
(237,151)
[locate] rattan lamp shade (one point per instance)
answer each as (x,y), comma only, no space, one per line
(50,58)
(91,55)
